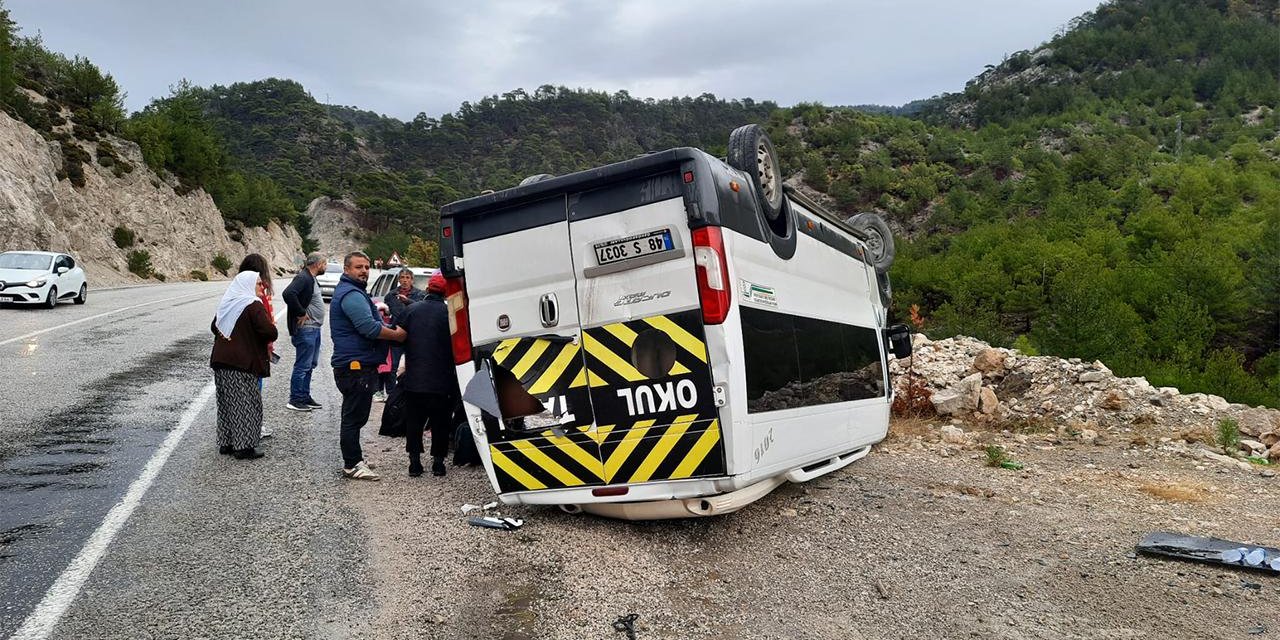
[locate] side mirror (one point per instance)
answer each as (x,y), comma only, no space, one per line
(900,341)
(62,270)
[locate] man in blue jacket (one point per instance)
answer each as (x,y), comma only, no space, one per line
(355,326)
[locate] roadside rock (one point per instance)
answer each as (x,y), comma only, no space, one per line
(970,389)
(987,401)
(1255,422)
(989,361)
(1092,376)
(947,403)
(952,434)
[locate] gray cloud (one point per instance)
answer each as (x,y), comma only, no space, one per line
(400,57)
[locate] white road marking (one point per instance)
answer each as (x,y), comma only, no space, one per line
(59,597)
(100,315)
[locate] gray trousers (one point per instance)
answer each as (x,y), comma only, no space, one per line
(239,408)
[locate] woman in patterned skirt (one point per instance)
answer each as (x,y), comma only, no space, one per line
(242,330)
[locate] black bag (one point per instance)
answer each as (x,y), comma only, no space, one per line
(393,414)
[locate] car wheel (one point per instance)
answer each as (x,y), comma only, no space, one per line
(84,294)
(879,239)
(751,151)
(51,300)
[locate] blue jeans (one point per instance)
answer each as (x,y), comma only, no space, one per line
(306,345)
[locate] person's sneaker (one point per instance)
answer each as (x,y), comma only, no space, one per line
(226,450)
(301,406)
(313,404)
(247,454)
(437,466)
(267,432)
(415,468)
(380,396)
(361,472)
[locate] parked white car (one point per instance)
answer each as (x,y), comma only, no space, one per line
(328,280)
(389,279)
(41,277)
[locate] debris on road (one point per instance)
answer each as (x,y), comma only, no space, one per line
(1212,550)
(626,624)
(496,522)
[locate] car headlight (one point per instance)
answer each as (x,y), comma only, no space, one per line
(36,284)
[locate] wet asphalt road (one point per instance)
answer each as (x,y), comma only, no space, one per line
(85,402)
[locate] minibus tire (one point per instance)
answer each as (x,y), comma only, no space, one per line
(537,177)
(751,152)
(879,239)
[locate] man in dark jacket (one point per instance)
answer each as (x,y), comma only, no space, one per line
(306,317)
(430,383)
(356,328)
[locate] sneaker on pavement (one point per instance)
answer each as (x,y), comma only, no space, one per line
(361,472)
(301,406)
(437,466)
(313,404)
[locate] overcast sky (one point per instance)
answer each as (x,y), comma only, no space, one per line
(401,57)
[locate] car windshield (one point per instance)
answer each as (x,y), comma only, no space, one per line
(333,268)
(28,261)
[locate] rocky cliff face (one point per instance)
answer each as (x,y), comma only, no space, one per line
(182,233)
(335,225)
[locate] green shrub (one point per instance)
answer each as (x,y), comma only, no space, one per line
(1228,435)
(140,263)
(221,263)
(197,274)
(124,237)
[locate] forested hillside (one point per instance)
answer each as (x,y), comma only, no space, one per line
(1113,193)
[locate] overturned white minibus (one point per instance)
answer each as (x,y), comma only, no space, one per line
(668,336)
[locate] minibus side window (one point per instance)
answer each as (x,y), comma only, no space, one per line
(772,362)
(833,362)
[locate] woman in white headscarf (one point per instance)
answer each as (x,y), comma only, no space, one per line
(242,329)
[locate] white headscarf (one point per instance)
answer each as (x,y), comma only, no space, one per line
(242,293)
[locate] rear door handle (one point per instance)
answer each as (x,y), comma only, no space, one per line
(549,309)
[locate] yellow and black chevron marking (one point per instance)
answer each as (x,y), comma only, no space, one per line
(645,452)
(612,440)
(542,366)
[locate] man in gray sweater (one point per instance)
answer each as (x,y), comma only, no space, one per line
(306,317)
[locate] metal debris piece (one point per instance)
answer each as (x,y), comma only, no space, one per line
(626,624)
(1212,550)
(491,505)
(496,522)
(487,522)
(468,507)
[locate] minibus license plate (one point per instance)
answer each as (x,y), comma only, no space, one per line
(633,247)
(6,299)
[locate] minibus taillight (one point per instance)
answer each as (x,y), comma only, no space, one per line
(713,274)
(455,298)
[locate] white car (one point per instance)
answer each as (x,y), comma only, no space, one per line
(328,280)
(41,277)
(390,279)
